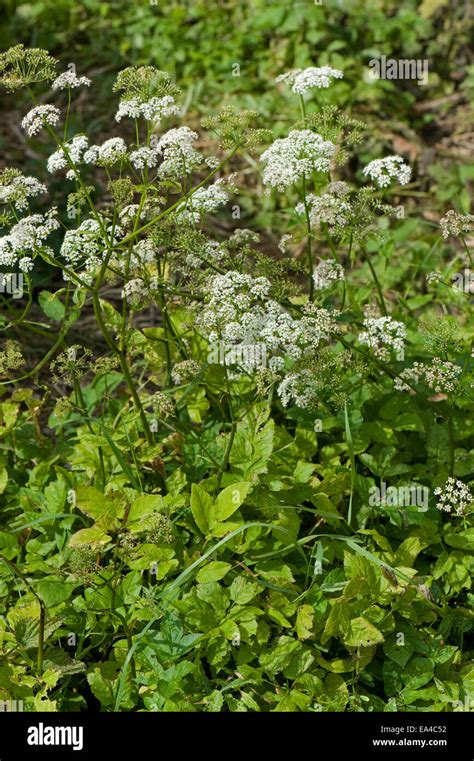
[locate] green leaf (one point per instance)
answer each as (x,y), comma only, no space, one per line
(464,540)
(418,672)
(202,508)
(213,571)
(230,499)
(96,505)
(338,620)
(242,591)
(362,633)
(8,415)
(141,508)
(101,681)
(304,471)
(3,479)
(54,591)
(304,621)
(121,460)
(253,442)
(408,551)
(279,656)
(399,653)
(51,305)
(95,536)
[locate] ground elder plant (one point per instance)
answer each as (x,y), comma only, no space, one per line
(188,471)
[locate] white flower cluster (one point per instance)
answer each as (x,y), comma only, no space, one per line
(212,162)
(153,110)
(107,154)
(441,377)
(68,80)
(203,201)
(284,242)
(230,296)
(163,405)
(453,497)
(179,156)
(326,273)
(144,253)
(128,214)
(456,224)
(434,277)
(239,312)
(298,387)
(86,245)
(302,80)
(185,371)
(382,171)
(138,293)
(38,116)
(75,148)
(338,188)
(327,209)
(144,157)
(18,188)
(212,253)
(26,237)
(143,256)
(383,334)
(242,236)
(291,158)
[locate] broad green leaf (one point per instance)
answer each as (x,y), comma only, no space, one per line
(54,591)
(202,508)
(8,416)
(464,540)
(408,551)
(242,591)
(337,622)
(96,505)
(230,499)
(362,633)
(213,571)
(141,508)
(399,650)
(101,680)
(51,305)
(418,672)
(280,655)
(304,621)
(95,536)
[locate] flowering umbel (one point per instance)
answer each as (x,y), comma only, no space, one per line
(454,497)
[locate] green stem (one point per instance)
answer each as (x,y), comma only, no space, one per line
(451,442)
(309,244)
(233,429)
(124,367)
(383,306)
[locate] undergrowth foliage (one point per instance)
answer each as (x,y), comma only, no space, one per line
(249,488)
